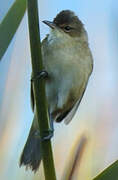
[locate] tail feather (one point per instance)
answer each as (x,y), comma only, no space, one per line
(31,155)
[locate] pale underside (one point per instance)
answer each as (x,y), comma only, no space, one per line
(69,66)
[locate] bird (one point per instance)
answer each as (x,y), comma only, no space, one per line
(68,61)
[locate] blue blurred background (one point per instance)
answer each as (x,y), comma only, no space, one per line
(97,114)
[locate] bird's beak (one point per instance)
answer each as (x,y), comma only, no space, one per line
(50,24)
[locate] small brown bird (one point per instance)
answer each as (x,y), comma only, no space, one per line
(69,63)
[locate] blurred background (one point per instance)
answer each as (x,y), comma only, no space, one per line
(96,118)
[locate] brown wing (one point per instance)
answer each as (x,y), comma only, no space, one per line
(72,111)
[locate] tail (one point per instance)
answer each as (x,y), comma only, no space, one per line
(31,155)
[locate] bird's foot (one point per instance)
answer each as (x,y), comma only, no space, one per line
(46,135)
(41,74)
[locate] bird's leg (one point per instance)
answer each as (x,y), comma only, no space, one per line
(47,134)
(41,74)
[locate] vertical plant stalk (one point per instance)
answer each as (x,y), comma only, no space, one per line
(39,88)
(78,156)
(75,158)
(10,23)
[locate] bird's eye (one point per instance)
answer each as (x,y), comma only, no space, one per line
(67,28)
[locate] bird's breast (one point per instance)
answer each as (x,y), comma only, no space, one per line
(67,73)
